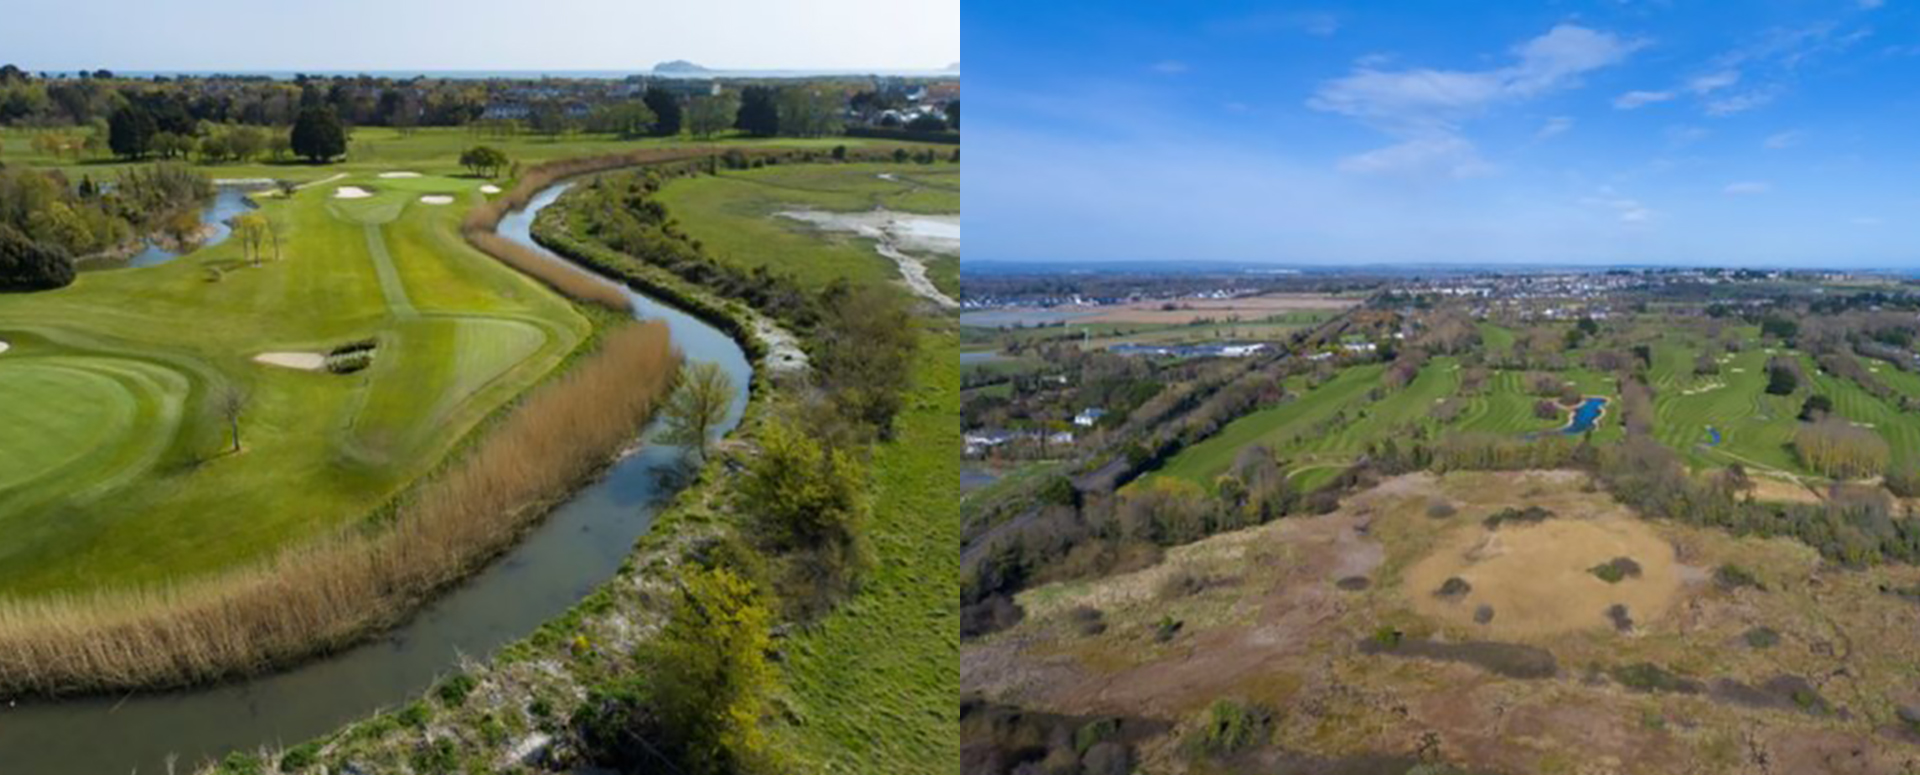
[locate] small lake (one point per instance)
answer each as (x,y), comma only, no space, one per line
(1012,317)
(1584,416)
(980,356)
(228,201)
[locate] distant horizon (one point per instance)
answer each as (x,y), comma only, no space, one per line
(614,72)
(1201,265)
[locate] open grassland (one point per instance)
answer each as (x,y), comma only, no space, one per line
(323,594)
(1283,428)
(732,215)
(132,363)
(873,685)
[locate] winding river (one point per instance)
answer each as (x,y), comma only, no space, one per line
(579,546)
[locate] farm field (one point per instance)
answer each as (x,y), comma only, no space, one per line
(115,383)
(733,215)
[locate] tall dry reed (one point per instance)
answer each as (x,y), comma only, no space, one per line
(325,595)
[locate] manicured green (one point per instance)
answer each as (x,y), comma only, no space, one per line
(117,461)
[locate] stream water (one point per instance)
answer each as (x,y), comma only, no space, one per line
(576,548)
(228,201)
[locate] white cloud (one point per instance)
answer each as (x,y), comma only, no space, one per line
(1626,209)
(1448,156)
(1747,188)
(1634,99)
(1786,139)
(1554,126)
(1713,81)
(1739,103)
(1426,100)
(1170,67)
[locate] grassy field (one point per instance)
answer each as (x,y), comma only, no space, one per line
(732,215)
(874,684)
(111,387)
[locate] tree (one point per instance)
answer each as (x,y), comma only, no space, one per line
(1815,408)
(483,160)
(806,111)
(866,344)
(698,406)
(28,265)
(953,114)
(759,113)
(804,493)
(666,108)
(1781,379)
(231,403)
(318,135)
(626,119)
(708,116)
(251,230)
(130,132)
(927,122)
(707,684)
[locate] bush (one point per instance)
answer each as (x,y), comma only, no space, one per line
(1616,569)
(453,691)
(1762,637)
(1439,509)
(1649,677)
(1453,587)
(300,757)
(1733,576)
(1231,727)
(1527,516)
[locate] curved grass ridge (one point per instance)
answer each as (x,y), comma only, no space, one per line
(325,595)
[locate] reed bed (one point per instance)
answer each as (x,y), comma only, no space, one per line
(480,222)
(323,596)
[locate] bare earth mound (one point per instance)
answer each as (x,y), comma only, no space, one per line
(1538,579)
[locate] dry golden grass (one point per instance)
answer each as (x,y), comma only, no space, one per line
(323,596)
(478,226)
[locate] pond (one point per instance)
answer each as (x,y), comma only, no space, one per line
(227,202)
(576,548)
(1585,415)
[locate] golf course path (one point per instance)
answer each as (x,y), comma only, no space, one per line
(390,284)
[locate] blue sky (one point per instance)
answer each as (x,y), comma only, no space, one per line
(161,35)
(1768,133)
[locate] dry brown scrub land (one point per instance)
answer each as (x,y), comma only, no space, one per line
(1804,673)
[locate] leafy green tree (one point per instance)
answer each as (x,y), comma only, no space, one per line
(803,493)
(626,119)
(318,135)
(709,674)
(807,111)
(953,114)
(130,132)
(708,116)
(927,123)
(29,265)
(759,112)
(698,406)
(666,108)
(483,160)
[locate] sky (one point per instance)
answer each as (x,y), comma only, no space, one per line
(375,35)
(1604,132)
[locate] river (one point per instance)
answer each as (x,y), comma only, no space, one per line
(575,549)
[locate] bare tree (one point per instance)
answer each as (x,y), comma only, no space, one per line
(231,402)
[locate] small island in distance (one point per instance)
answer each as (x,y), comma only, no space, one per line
(679,66)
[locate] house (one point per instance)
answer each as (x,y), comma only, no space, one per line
(1061,437)
(1087,417)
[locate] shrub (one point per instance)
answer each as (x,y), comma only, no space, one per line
(453,691)
(1612,571)
(1527,516)
(1166,628)
(1439,509)
(1733,576)
(1649,677)
(1453,587)
(1231,727)
(1762,637)
(300,757)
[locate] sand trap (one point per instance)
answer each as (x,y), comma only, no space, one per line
(436,199)
(4,346)
(1537,578)
(351,192)
(489,188)
(400,174)
(292,360)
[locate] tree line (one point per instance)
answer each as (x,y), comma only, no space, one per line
(47,222)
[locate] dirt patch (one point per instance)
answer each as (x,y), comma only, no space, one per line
(1770,489)
(1538,576)
(293,360)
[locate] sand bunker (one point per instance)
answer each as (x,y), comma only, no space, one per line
(293,360)
(400,174)
(489,188)
(1538,579)
(436,199)
(4,346)
(351,192)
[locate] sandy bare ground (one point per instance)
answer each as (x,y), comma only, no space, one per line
(894,234)
(489,188)
(1189,310)
(293,360)
(783,348)
(351,192)
(400,174)
(1770,489)
(436,199)
(4,346)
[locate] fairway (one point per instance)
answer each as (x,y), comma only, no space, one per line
(118,460)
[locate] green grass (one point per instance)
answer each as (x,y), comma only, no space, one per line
(732,214)
(123,365)
(1280,428)
(874,684)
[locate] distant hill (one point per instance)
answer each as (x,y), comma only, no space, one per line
(955,67)
(679,66)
